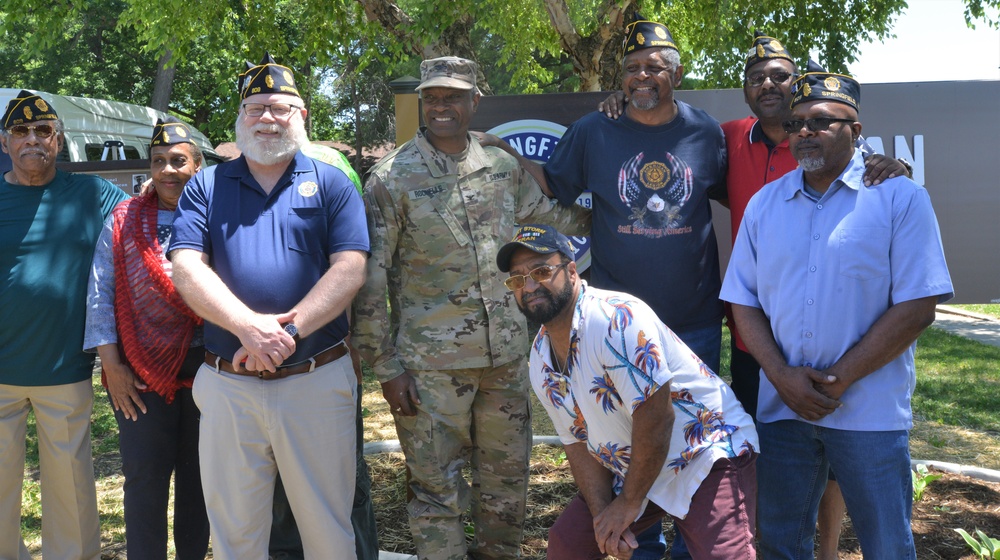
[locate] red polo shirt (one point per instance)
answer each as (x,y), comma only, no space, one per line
(753,162)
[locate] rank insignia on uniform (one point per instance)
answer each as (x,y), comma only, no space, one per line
(269,81)
(309,188)
(27,114)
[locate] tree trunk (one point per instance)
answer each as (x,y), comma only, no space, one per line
(596,57)
(164,84)
(454,40)
(358,136)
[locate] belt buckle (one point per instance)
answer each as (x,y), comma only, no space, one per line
(260,375)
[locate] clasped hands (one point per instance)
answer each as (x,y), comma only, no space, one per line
(266,345)
(810,393)
(611,528)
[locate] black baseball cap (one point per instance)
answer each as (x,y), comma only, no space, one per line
(538,238)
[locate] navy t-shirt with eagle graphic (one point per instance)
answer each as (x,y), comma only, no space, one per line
(652,231)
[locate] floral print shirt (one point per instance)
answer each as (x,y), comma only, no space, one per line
(620,354)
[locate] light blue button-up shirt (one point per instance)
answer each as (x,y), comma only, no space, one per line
(825,269)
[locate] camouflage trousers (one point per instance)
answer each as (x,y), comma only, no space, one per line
(480,417)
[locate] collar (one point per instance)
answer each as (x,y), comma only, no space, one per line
(239,170)
(757,135)
(851,177)
(441,164)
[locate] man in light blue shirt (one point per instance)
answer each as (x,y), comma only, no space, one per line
(831,284)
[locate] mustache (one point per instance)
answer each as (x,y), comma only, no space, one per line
(270,128)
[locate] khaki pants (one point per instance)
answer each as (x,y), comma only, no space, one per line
(70,526)
(302,426)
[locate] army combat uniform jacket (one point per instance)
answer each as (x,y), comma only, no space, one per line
(436,222)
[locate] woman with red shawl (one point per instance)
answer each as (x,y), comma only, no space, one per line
(151,346)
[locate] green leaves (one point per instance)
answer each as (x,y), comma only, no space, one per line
(921,478)
(986,547)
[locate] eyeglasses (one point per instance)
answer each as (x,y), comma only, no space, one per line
(543,273)
(22,130)
(818,124)
(278,110)
(757,80)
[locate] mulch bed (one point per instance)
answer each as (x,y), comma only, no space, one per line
(954,501)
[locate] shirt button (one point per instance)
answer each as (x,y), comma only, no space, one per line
(819,206)
(809,334)
(812,269)
(772,168)
(809,301)
(815,236)
(809,364)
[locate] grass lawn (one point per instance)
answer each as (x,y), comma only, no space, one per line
(992,309)
(954,405)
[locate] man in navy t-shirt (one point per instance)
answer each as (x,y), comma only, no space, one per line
(652,173)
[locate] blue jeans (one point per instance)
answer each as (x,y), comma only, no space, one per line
(706,342)
(873,469)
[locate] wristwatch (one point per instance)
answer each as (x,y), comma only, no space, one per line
(291,329)
(907,165)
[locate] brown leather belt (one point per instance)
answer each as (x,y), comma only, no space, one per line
(316,361)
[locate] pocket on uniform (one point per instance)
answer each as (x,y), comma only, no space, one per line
(864,252)
(306,230)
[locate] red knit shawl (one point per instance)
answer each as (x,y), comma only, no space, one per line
(155,326)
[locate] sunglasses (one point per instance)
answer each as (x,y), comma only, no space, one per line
(818,124)
(757,80)
(543,273)
(22,130)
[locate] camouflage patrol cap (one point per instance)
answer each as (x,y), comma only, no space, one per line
(169,133)
(538,238)
(27,107)
(449,72)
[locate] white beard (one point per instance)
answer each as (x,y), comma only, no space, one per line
(270,152)
(812,163)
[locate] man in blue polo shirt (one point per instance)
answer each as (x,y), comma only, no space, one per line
(269,249)
(831,284)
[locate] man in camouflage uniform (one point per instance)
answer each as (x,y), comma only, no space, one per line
(451,355)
